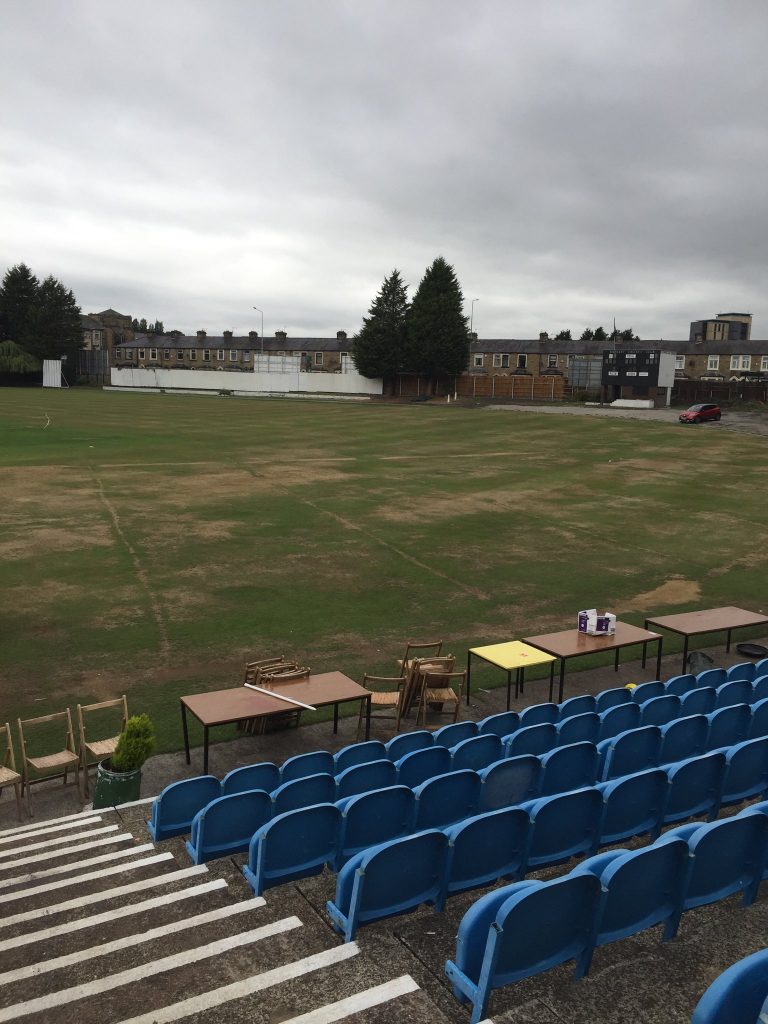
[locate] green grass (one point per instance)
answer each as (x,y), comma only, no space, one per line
(150,543)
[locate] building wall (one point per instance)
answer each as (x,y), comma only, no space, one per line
(261,382)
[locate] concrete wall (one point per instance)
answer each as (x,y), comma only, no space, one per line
(256,383)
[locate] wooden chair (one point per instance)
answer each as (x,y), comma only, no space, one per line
(414,685)
(442,689)
(61,761)
(287,673)
(8,774)
(98,750)
(432,647)
(253,669)
(389,698)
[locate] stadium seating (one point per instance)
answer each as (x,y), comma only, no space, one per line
(743,670)
(577,706)
(175,808)
(477,752)
(372,818)
(264,776)
(225,825)
(539,714)
(505,723)
(361,778)
(487,847)
(583,727)
(633,805)
(358,753)
(446,799)
(738,996)
(407,743)
(571,767)
(510,781)
(293,845)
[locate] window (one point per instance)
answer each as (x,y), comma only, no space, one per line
(741,362)
(713,362)
(206,355)
(279,353)
(233,355)
(180,353)
(501,359)
(166,353)
(764,363)
(193,353)
(318,358)
(478,359)
(97,336)
(552,360)
(679,362)
(220,354)
(153,353)
(246,356)
(142,353)
(522,361)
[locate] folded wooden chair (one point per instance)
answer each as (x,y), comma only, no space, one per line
(92,750)
(386,695)
(48,766)
(269,678)
(425,648)
(416,675)
(254,671)
(441,690)
(8,774)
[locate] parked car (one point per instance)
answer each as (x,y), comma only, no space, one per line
(701,412)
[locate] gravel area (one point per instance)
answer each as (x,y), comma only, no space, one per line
(741,422)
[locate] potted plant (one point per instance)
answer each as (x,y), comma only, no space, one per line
(118,778)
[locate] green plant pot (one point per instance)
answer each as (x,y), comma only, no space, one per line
(113,788)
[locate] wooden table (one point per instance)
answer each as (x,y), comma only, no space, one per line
(223,707)
(512,655)
(572,644)
(712,620)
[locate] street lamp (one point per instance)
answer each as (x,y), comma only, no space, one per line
(262,328)
(472,314)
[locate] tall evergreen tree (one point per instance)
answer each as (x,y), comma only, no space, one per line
(17,299)
(563,336)
(54,328)
(377,348)
(438,339)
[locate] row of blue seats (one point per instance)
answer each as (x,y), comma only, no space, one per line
(512,841)
(175,809)
(529,927)
(738,996)
(225,825)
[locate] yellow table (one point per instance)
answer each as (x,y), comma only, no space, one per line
(513,654)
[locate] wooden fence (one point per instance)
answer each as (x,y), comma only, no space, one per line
(686,392)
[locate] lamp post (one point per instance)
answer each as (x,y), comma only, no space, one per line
(472,314)
(262,328)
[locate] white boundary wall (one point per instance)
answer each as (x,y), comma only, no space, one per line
(258,382)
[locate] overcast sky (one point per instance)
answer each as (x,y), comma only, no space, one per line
(575,160)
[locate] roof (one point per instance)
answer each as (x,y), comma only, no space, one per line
(241,342)
(596,348)
(88,324)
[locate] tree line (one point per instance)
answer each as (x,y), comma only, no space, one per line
(38,319)
(599,334)
(142,327)
(427,336)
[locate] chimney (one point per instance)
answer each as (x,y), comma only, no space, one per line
(228,335)
(253,334)
(341,335)
(473,336)
(281,334)
(543,336)
(201,334)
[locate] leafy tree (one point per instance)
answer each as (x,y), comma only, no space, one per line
(587,334)
(377,348)
(563,336)
(438,339)
(134,324)
(600,334)
(626,335)
(14,359)
(157,327)
(17,299)
(54,327)
(143,325)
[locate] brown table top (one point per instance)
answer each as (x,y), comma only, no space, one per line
(709,621)
(218,707)
(571,642)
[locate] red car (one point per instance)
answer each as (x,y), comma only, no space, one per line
(700,413)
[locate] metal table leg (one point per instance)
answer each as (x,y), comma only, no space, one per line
(645,652)
(335,718)
(551,679)
(562,680)
(184,727)
(658,659)
(728,642)
(469,669)
(685,655)
(509,688)
(616,660)
(205,750)
(368,717)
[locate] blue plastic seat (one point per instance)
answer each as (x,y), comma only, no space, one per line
(302,792)
(646,691)
(293,845)
(264,776)
(633,805)
(761,666)
(639,889)
(563,826)
(736,691)
(694,787)
(680,685)
(360,778)
(390,879)
(519,931)
(407,743)
(372,818)
(226,825)
(699,701)
(477,752)
(660,710)
(578,729)
(450,735)
(577,706)
(746,772)
(446,799)
(420,765)
(738,995)
(683,738)
(631,751)
(727,857)
(539,714)
(358,753)
(712,677)
(318,762)
(758,725)
(571,767)
(487,847)
(510,781)
(174,809)
(504,723)
(742,670)
(532,739)
(618,719)
(615,697)
(759,688)
(728,726)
